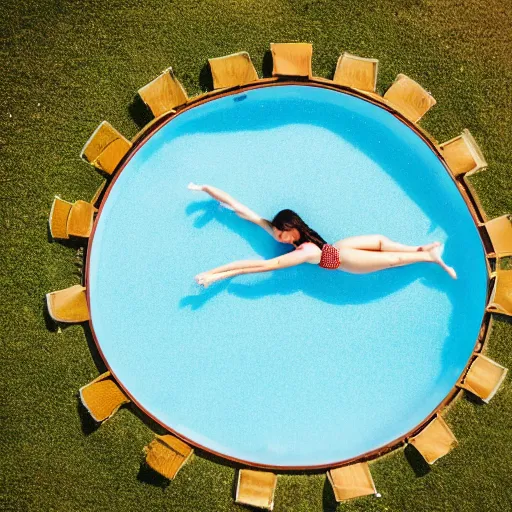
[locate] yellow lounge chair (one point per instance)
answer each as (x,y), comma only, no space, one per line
(357,72)
(500,234)
(256,488)
(291,59)
(483,378)
(164,93)
(409,98)
(102,397)
(167,455)
(462,154)
(105,148)
(352,481)
(58,220)
(501,295)
(232,70)
(464,158)
(71,219)
(434,441)
(81,219)
(69,305)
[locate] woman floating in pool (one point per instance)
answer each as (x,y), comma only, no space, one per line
(357,254)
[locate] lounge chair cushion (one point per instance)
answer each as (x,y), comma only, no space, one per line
(434,441)
(109,159)
(352,481)
(69,305)
(356,72)
(256,488)
(232,70)
(105,148)
(59,218)
(462,154)
(501,296)
(164,93)
(292,59)
(484,377)
(102,397)
(167,455)
(409,98)
(81,219)
(500,233)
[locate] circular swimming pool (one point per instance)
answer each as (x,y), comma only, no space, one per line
(301,367)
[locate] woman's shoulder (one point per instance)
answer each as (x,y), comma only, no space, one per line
(307,245)
(311,251)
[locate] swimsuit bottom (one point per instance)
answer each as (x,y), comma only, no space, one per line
(330,258)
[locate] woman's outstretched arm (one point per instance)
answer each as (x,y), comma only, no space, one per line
(237,268)
(240,209)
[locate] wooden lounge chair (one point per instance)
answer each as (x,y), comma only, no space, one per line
(434,441)
(352,481)
(292,59)
(164,93)
(500,234)
(232,70)
(409,98)
(256,488)
(464,158)
(69,305)
(71,219)
(105,148)
(81,219)
(462,154)
(501,295)
(167,455)
(357,72)
(483,378)
(102,397)
(58,220)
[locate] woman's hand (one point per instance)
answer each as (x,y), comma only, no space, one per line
(197,188)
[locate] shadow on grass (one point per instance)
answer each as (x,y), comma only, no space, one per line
(329,503)
(205,78)
(73,243)
(416,461)
(475,400)
(49,322)
(139,112)
(87,423)
(93,349)
(216,459)
(267,65)
(149,476)
(149,422)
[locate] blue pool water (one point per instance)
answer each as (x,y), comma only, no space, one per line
(302,366)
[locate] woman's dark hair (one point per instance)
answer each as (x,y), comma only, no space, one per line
(286,220)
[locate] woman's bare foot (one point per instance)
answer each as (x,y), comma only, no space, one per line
(435,253)
(204,279)
(200,275)
(428,247)
(193,186)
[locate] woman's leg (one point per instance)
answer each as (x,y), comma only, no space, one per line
(380,243)
(363,261)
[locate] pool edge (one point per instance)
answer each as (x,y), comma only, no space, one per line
(143,135)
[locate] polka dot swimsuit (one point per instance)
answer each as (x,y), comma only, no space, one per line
(330,258)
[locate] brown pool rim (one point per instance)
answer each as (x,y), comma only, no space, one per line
(146,133)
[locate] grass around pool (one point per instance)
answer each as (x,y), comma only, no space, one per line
(66,67)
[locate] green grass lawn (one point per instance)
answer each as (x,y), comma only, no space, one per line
(68,65)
